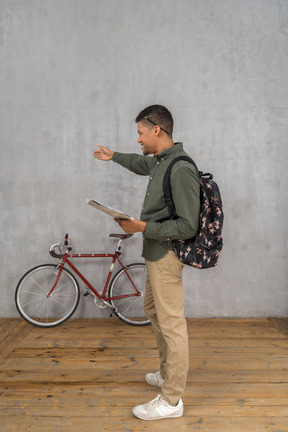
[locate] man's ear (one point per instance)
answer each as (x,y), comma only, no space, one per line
(157,130)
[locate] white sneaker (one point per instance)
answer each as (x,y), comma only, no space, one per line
(154,379)
(158,409)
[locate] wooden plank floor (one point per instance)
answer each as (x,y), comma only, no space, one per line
(86,375)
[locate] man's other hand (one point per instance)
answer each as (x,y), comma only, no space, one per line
(131,226)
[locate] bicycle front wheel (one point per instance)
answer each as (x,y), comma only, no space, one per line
(129,309)
(33,302)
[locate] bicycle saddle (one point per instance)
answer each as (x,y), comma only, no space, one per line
(121,236)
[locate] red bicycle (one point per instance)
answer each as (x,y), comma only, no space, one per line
(47,295)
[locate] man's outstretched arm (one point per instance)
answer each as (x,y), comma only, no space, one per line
(128,225)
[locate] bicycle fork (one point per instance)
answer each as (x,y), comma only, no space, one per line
(58,269)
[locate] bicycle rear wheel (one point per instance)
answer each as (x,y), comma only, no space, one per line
(32,301)
(129,309)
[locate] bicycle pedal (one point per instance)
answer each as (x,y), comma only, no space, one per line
(113,313)
(87,293)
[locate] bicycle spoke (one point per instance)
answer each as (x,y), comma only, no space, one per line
(58,302)
(124,312)
(33,293)
(31,302)
(37,284)
(64,294)
(44,308)
(62,286)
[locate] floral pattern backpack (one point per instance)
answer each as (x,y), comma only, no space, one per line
(203,250)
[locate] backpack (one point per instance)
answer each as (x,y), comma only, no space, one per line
(203,250)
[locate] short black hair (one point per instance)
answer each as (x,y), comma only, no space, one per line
(157,115)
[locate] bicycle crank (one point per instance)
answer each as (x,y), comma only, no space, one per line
(100,303)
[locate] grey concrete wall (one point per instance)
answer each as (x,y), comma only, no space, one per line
(74,73)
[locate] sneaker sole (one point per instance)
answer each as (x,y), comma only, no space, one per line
(174,415)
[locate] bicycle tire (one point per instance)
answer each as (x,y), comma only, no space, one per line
(32,301)
(131,309)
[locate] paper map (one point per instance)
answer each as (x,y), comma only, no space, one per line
(108,210)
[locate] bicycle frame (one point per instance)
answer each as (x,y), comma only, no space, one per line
(115,257)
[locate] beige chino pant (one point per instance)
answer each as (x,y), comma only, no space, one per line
(164,306)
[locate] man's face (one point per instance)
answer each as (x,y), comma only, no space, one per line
(147,139)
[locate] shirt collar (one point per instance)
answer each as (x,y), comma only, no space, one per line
(171,150)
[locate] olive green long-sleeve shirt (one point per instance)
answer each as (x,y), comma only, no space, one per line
(160,230)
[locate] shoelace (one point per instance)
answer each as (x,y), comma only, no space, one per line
(156,401)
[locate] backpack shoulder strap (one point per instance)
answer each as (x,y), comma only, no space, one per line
(167,185)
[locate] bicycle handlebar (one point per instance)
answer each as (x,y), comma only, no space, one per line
(55,254)
(60,253)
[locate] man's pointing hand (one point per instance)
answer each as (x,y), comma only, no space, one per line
(103,153)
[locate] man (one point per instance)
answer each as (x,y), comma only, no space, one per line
(164,299)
